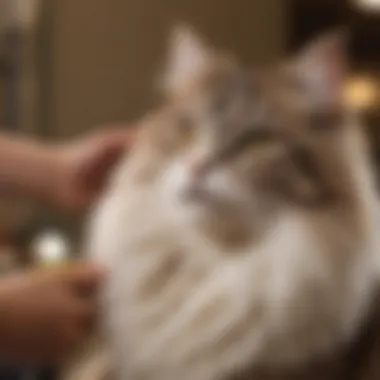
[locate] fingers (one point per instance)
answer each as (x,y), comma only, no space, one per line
(86,314)
(107,150)
(84,275)
(123,137)
(89,163)
(80,275)
(53,309)
(118,139)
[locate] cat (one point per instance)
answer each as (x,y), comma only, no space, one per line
(240,230)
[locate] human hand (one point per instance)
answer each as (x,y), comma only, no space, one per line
(44,315)
(83,167)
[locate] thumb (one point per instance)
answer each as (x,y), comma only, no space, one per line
(85,278)
(105,154)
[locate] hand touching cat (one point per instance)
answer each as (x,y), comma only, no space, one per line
(46,314)
(85,166)
(69,175)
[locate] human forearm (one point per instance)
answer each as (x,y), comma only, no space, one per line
(70,175)
(28,168)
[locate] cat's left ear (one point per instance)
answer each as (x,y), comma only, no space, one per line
(189,57)
(322,68)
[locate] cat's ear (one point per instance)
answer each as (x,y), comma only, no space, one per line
(188,58)
(322,68)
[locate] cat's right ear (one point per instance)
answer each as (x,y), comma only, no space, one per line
(322,67)
(188,58)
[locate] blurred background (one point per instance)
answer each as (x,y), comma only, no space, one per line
(68,67)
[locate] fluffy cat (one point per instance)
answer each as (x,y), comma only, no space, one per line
(240,231)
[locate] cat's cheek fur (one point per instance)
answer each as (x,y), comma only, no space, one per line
(177,182)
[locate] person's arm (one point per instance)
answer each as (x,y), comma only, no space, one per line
(67,175)
(45,315)
(29,168)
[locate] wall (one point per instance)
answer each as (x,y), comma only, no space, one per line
(104,53)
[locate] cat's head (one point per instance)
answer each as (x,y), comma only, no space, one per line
(242,142)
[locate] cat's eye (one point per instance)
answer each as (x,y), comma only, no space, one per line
(296,85)
(261,146)
(324,121)
(251,141)
(185,127)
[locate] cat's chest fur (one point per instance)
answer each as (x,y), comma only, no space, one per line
(179,307)
(273,156)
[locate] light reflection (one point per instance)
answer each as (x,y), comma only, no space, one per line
(50,247)
(361,93)
(370,5)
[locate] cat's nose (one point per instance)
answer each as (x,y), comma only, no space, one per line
(198,169)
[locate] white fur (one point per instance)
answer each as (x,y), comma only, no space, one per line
(188,57)
(293,295)
(285,301)
(178,180)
